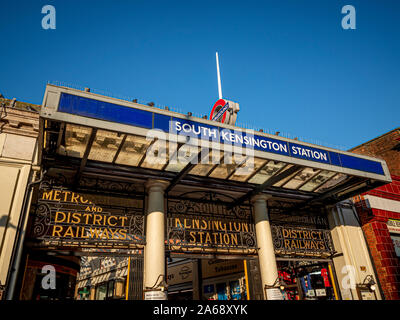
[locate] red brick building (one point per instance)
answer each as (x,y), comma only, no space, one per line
(379,211)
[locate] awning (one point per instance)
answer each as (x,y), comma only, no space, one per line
(97,136)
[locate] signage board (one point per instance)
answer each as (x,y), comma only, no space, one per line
(199,224)
(148,119)
(215,268)
(67,218)
(224,111)
(393,226)
(180,273)
(302,240)
(155,295)
(274,294)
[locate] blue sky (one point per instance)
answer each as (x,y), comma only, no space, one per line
(289,64)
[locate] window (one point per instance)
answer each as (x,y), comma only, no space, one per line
(396,243)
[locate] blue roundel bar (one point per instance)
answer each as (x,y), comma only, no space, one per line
(107,111)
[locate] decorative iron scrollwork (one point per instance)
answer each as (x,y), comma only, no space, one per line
(66,218)
(302,241)
(205,221)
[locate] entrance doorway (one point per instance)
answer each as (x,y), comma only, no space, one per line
(206,279)
(307,280)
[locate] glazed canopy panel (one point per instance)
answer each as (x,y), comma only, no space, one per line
(115,131)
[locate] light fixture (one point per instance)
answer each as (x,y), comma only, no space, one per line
(370,282)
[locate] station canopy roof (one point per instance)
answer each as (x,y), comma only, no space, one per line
(96,136)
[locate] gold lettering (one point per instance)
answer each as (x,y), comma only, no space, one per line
(97,219)
(208,238)
(192,235)
(82,201)
(66,193)
(105,231)
(57,195)
(74,198)
(83,233)
(93,232)
(123,219)
(203,224)
(285,233)
(75,217)
(236,226)
(226,238)
(112,224)
(287,243)
(57,229)
(201,236)
(196,224)
(113,233)
(122,232)
(69,232)
(177,221)
(87,216)
(215,225)
(185,224)
(47,195)
(234,238)
(56,217)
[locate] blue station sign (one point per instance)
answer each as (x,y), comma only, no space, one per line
(102,110)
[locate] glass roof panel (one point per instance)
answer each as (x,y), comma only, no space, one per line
(251,165)
(180,159)
(267,172)
(156,155)
(207,163)
(132,151)
(301,178)
(223,170)
(284,180)
(318,180)
(339,178)
(76,140)
(105,146)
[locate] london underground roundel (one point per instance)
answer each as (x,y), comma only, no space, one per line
(220,111)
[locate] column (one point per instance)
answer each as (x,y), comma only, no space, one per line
(154,251)
(266,253)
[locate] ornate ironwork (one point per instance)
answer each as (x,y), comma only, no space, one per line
(302,241)
(204,221)
(65,218)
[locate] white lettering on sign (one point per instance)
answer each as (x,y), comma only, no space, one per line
(314,154)
(227,136)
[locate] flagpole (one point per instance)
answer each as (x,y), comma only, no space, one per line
(219,78)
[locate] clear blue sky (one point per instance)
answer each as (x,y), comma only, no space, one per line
(288,63)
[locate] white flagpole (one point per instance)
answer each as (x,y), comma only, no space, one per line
(219,78)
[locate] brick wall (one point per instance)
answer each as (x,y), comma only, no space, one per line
(386,147)
(385,206)
(374,225)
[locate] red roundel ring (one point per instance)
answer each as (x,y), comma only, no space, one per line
(220,103)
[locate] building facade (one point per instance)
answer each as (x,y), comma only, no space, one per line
(379,212)
(155,204)
(19,131)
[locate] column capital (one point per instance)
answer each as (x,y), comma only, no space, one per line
(260,197)
(156,185)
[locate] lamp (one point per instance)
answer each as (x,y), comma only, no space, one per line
(279,283)
(370,282)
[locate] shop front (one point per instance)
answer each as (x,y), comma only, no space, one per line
(202,210)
